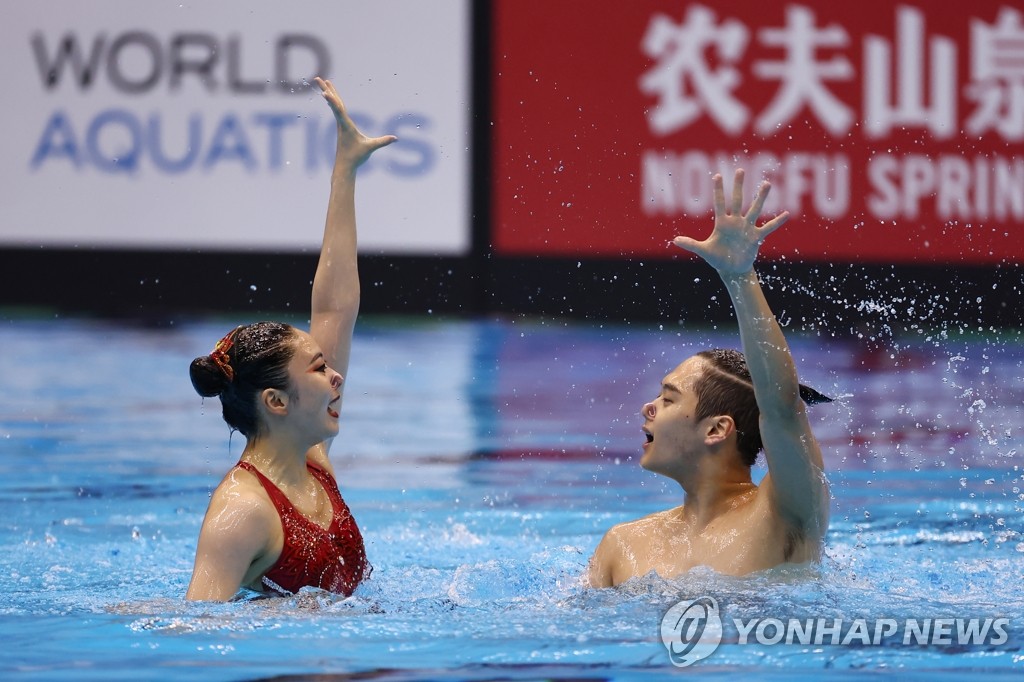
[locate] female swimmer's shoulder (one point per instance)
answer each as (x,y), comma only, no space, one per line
(239,504)
(239,541)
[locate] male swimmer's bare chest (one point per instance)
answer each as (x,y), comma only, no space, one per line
(737,543)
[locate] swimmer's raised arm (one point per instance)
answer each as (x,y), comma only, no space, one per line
(335,300)
(794,482)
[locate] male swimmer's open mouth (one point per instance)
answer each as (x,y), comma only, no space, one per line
(648,436)
(333,411)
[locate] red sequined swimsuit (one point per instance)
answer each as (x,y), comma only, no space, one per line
(332,559)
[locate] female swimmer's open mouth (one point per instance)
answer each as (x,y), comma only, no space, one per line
(331,410)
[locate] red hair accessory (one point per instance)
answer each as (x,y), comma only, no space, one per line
(220,354)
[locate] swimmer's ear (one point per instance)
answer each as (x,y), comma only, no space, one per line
(274,401)
(718,429)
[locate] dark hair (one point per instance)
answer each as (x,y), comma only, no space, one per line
(246,361)
(725,387)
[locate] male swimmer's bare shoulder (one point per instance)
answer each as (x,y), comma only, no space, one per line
(641,535)
(645,529)
(657,518)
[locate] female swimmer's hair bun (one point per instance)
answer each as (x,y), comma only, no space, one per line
(249,359)
(212,374)
(207,377)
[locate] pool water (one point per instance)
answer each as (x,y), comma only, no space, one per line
(484,460)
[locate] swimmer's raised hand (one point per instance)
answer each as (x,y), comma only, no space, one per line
(732,247)
(353,146)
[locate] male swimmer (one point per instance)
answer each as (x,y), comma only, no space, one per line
(714,413)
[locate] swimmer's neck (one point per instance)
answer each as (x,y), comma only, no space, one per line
(279,459)
(714,493)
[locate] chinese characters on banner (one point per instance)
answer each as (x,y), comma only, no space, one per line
(891,133)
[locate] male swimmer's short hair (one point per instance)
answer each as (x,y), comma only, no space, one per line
(725,387)
(813,397)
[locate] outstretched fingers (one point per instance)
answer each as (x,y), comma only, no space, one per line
(326,87)
(330,93)
(755,208)
(699,248)
(736,205)
(737,193)
(736,239)
(687,243)
(349,136)
(772,225)
(382,141)
(718,194)
(755,212)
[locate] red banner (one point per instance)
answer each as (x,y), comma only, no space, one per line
(890,131)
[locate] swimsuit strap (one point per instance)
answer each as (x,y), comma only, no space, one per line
(280,500)
(341,512)
(284,506)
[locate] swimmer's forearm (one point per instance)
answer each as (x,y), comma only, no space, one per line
(336,282)
(769,360)
(335,298)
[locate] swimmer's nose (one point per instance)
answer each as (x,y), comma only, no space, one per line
(647,411)
(336,380)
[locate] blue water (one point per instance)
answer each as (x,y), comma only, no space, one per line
(484,460)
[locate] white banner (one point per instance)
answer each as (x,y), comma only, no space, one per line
(180,125)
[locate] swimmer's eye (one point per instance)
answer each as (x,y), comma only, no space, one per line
(320,368)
